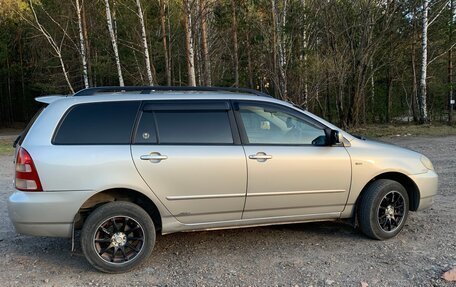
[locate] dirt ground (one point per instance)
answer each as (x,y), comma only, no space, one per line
(315,254)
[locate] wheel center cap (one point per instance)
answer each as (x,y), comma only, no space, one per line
(389,211)
(119,239)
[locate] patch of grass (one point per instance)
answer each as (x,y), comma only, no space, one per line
(6,147)
(377,131)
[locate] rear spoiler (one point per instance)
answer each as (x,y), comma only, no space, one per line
(49,99)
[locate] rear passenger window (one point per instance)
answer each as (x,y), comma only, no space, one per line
(184,127)
(98,123)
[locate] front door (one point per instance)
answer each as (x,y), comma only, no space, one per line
(188,156)
(291,170)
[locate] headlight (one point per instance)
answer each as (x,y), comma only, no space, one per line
(427,163)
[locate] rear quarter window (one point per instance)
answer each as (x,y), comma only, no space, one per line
(97,124)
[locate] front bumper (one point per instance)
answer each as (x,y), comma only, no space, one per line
(427,184)
(45,213)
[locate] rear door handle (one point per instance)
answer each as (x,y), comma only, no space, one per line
(260,156)
(154,156)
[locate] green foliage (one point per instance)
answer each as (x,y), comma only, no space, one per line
(332,51)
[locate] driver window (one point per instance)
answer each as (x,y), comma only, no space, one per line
(267,125)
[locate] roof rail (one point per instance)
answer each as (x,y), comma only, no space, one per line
(148,89)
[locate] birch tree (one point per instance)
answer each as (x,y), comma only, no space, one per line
(113,36)
(189,44)
(450,63)
(424,50)
(303,58)
(144,42)
(82,44)
(56,47)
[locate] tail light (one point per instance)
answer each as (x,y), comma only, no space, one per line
(27,178)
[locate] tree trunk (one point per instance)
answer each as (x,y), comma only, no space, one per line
(275,68)
(9,104)
(279,22)
(189,44)
(235,44)
(164,39)
(204,43)
(249,61)
(82,46)
(87,43)
(389,92)
(414,80)
(144,43)
(328,98)
(372,83)
(450,65)
(113,35)
(114,17)
(24,98)
(423,95)
(303,58)
(170,50)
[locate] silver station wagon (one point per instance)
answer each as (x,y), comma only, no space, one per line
(124,163)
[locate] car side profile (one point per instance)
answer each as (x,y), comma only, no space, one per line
(122,163)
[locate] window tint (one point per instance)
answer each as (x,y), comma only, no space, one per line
(193,127)
(265,125)
(145,134)
(98,123)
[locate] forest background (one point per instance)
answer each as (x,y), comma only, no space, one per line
(354,63)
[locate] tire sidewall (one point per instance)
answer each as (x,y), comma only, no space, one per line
(103,213)
(374,222)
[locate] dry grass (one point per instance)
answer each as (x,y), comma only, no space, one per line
(6,147)
(376,131)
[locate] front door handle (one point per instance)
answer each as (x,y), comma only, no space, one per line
(154,157)
(260,156)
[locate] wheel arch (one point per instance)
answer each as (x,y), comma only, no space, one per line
(119,194)
(409,185)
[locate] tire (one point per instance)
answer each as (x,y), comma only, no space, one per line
(383,209)
(117,237)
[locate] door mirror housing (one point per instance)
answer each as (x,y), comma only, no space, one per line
(334,137)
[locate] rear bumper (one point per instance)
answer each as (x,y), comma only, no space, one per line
(427,184)
(45,213)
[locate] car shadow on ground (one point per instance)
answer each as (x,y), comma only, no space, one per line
(57,251)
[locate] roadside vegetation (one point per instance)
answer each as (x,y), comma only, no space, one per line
(6,147)
(378,131)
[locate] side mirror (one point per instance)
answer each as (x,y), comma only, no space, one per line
(336,137)
(333,137)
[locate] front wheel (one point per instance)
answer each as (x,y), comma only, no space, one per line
(117,237)
(383,209)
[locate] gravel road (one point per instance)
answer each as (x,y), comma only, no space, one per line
(314,254)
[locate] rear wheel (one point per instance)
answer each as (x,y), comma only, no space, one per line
(117,237)
(383,209)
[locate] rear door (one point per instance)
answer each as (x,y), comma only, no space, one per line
(189,153)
